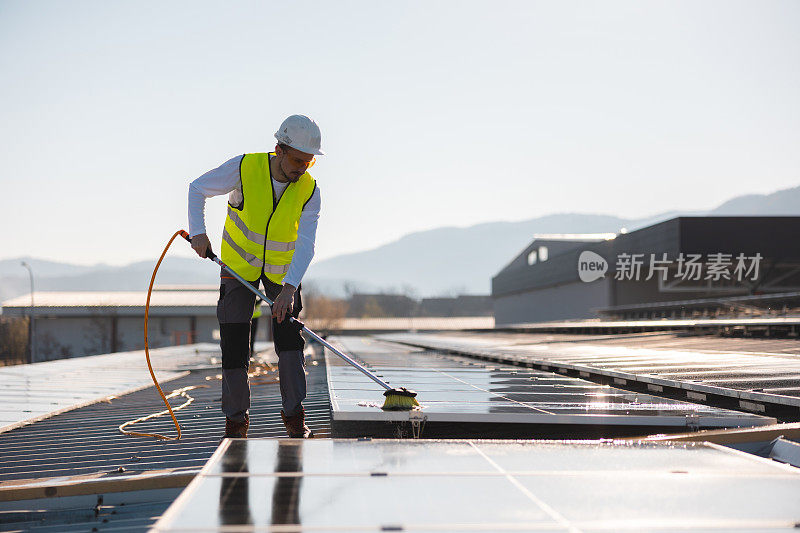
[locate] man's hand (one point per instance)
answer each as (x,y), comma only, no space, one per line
(283,303)
(201,244)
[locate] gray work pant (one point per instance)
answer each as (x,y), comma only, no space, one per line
(235,311)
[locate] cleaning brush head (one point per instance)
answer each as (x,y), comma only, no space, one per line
(400,399)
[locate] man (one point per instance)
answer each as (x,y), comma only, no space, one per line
(269,235)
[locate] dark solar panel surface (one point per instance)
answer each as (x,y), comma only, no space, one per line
(764,370)
(124,512)
(455,389)
(663,340)
(475,485)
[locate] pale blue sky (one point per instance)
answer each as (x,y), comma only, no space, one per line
(433,113)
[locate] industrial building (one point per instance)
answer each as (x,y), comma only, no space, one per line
(685,266)
(74,324)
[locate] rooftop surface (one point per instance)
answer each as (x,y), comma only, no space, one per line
(74,471)
(86,439)
(473,485)
(35,391)
(75,300)
(53,470)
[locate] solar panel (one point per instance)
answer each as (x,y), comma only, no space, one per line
(502,399)
(722,367)
(478,485)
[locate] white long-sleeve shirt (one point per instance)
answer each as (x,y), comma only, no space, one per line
(225,179)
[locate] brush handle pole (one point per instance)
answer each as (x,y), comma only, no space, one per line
(346,358)
(319,339)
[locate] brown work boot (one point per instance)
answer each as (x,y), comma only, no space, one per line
(296,425)
(237,430)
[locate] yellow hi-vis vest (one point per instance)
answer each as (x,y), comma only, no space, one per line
(260,234)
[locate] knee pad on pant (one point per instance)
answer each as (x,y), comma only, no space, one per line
(235,345)
(286,336)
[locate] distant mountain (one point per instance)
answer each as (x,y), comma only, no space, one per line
(785,202)
(41,267)
(435,262)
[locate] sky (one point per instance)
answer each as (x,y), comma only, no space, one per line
(432,113)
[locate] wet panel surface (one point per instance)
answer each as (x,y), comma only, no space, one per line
(354,502)
(456,389)
(738,365)
(348,485)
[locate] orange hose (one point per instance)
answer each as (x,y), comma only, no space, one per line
(147,355)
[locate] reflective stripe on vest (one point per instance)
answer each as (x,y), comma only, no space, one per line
(256,237)
(250,258)
(260,236)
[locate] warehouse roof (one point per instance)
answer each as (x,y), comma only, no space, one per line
(197,300)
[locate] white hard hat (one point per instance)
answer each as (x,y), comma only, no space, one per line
(301,133)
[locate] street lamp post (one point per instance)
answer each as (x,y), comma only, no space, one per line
(33,309)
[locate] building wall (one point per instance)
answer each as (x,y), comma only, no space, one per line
(646,291)
(162,331)
(63,337)
(559,270)
(573,300)
(462,305)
